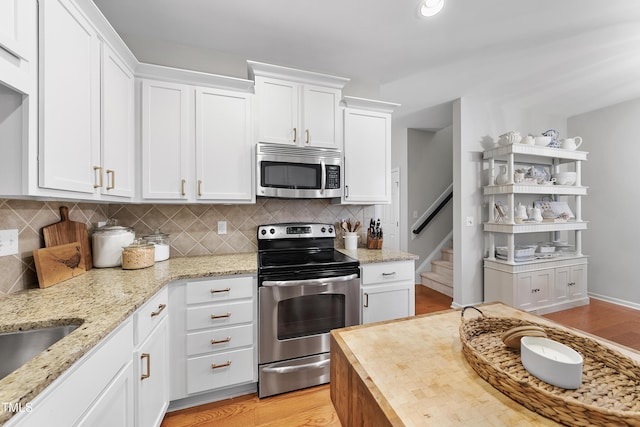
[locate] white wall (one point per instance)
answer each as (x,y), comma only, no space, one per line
(430,167)
(613,201)
(474,119)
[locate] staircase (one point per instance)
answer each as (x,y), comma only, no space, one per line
(440,278)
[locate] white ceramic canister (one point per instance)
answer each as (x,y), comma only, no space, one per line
(161,242)
(108,242)
(351,240)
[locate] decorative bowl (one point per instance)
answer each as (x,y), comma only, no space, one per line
(565,178)
(511,137)
(551,361)
(519,251)
(543,140)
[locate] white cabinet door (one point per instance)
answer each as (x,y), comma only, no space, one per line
(18,45)
(152,374)
(69,98)
(277,107)
(570,283)
(298,114)
(118,129)
(533,289)
(166,139)
(321,117)
(387,302)
(224,146)
(114,407)
(367,157)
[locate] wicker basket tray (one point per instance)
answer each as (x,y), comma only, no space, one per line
(610,390)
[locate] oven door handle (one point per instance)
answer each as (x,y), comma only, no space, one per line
(322,281)
(289,369)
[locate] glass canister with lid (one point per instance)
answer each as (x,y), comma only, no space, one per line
(161,242)
(108,241)
(138,254)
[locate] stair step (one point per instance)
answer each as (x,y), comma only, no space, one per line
(442,267)
(437,282)
(447,254)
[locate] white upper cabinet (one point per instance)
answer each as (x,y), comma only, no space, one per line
(224,146)
(297,107)
(18,44)
(367,151)
(69,131)
(166,138)
(197,141)
(118,128)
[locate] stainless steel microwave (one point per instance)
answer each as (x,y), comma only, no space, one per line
(297,172)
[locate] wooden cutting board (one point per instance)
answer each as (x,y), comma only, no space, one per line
(67,231)
(58,263)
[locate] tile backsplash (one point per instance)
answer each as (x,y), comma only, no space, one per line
(193,228)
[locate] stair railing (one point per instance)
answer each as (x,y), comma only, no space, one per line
(432,211)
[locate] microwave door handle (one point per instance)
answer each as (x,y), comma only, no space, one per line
(324,176)
(323,281)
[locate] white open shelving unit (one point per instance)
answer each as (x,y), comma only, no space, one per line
(541,285)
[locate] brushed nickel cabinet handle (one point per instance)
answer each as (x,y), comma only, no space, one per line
(215,291)
(223,365)
(113,179)
(307,132)
(184,181)
(366,299)
(295,134)
(200,188)
(220,316)
(160,308)
(99,169)
(148,374)
(393,273)
(215,341)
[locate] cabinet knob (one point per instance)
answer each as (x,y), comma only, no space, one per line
(572,283)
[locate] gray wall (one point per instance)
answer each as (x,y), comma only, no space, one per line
(613,201)
(430,166)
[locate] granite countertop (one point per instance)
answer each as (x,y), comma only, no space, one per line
(368,256)
(100,300)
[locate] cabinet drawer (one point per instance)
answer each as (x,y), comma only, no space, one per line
(219,339)
(231,313)
(220,370)
(150,314)
(387,272)
(220,289)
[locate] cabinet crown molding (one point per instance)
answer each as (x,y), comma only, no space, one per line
(291,74)
(182,76)
(369,104)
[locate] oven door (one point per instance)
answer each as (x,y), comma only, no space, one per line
(297,315)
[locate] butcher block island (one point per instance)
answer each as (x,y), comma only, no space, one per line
(412,372)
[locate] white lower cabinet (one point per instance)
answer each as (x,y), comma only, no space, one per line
(214,335)
(537,287)
(387,291)
(97,390)
(151,359)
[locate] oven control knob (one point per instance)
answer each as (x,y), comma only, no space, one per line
(330,230)
(323,229)
(272,230)
(263,231)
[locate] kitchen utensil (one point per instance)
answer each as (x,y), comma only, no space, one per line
(571,143)
(344,226)
(356,227)
(349,225)
(67,231)
(108,242)
(58,263)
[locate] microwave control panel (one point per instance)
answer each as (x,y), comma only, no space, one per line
(333,177)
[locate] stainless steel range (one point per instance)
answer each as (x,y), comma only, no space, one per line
(306,289)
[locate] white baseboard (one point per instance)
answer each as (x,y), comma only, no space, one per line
(616,301)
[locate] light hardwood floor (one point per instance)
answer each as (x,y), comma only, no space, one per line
(312,407)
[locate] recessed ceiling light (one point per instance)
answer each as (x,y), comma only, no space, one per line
(430,7)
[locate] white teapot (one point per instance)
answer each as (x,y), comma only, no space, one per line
(534,213)
(571,143)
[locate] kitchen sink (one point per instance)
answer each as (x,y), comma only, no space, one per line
(17,348)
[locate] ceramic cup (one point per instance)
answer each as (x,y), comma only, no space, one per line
(351,240)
